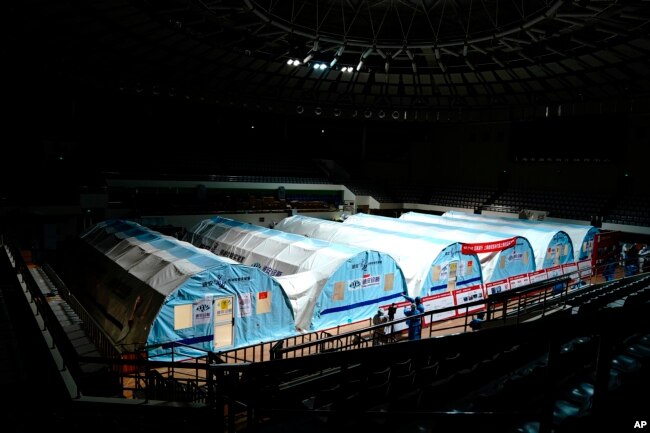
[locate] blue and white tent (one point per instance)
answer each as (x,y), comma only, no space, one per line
(329,284)
(582,236)
(430,266)
(145,289)
(500,257)
(550,248)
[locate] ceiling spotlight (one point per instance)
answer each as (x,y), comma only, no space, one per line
(337,55)
(381,114)
(308,58)
(300,109)
(318,111)
(360,65)
(367,114)
(337,112)
(395,115)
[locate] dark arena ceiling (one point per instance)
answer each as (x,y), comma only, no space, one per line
(474,59)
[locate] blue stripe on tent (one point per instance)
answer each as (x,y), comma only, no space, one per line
(360,304)
(189,341)
(444,286)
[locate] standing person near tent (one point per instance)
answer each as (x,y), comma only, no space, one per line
(414,323)
(632,260)
(417,301)
(379,336)
(391,312)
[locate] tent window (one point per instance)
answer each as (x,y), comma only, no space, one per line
(453,268)
(182,316)
(389,282)
(339,291)
(263,302)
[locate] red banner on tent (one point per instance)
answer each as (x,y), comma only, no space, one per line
(488,247)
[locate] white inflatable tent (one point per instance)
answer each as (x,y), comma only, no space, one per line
(145,289)
(550,248)
(329,284)
(430,266)
(500,257)
(582,235)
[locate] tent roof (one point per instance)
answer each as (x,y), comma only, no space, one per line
(488,260)
(539,238)
(579,233)
(414,254)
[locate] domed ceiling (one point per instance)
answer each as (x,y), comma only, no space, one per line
(354,58)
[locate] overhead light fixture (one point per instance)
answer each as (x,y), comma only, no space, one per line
(308,58)
(363,57)
(337,55)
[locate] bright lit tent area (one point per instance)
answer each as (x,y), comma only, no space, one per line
(145,289)
(550,248)
(500,257)
(430,266)
(329,284)
(582,236)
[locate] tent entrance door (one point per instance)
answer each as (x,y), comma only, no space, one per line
(223,322)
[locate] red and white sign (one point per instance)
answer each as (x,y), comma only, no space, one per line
(488,247)
(497,287)
(536,276)
(467,295)
(518,281)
